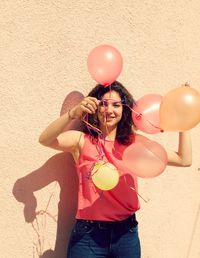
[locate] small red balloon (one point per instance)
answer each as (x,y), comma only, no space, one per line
(146,116)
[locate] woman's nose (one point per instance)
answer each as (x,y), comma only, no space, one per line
(109,108)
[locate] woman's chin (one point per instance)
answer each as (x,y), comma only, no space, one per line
(108,126)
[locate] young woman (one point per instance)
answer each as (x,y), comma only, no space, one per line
(106,224)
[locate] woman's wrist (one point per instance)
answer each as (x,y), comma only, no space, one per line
(70,116)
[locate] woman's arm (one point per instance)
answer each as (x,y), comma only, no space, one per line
(183,157)
(53,135)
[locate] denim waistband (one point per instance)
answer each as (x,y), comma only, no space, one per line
(130,220)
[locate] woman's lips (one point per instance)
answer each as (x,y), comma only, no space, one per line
(109,119)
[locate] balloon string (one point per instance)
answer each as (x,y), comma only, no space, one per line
(107,131)
(98,167)
(145,200)
(132,188)
(99,132)
(155,126)
(100,149)
(89,126)
(140,115)
(110,91)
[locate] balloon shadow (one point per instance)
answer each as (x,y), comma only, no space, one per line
(60,169)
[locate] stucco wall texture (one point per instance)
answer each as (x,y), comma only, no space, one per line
(44,46)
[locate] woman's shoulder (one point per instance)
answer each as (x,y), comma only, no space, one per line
(79,137)
(74,136)
(73,133)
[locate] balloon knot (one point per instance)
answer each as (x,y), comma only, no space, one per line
(138,116)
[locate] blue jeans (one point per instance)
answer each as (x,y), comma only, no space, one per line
(90,239)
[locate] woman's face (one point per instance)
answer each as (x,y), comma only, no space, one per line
(110,110)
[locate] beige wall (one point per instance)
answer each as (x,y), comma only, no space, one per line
(44,46)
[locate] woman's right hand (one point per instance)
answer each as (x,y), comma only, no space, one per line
(87,105)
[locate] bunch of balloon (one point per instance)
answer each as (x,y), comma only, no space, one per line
(180,109)
(146,115)
(145,158)
(104,64)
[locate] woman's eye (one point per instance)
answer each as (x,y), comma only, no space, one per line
(103,103)
(116,105)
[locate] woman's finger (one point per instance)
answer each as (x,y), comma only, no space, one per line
(89,104)
(86,107)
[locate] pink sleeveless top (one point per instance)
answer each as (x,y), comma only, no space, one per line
(111,205)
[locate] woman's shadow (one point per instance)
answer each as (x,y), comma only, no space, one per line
(60,169)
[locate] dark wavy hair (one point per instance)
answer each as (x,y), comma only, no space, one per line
(125,125)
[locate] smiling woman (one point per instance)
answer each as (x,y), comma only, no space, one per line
(115,103)
(105,220)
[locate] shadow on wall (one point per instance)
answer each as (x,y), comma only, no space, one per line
(59,169)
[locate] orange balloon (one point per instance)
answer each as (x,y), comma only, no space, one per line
(180,109)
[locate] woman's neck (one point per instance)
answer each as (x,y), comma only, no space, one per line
(109,135)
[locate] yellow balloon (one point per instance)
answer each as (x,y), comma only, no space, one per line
(105,175)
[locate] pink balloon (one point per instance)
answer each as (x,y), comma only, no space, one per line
(149,120)
(145,158)
(104,64)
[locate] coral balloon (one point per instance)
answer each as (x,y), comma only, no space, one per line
(145,158)
(149,120)
(180,109)
(104,64)
(105,175)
